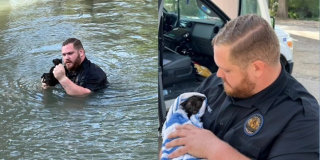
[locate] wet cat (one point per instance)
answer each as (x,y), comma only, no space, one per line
(49,78)
(192,105)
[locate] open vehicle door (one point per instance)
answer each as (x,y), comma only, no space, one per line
(161,105)
(176,72)
(235,8)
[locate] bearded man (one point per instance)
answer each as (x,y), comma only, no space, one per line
(82,77)
(256,110)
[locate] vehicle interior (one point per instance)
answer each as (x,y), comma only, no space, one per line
(186,29)
(187,34)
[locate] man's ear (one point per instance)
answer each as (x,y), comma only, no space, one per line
(81,51)
(258,67)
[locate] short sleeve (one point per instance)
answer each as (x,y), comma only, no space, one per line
(299,140)
(94,80)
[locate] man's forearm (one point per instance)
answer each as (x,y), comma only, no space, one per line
(73,89)
(226,152)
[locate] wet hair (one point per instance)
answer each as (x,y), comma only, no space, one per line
(250,38)
(76,43)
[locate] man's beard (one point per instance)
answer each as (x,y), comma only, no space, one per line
(75,64)
(243,90)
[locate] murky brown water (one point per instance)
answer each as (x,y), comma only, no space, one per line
(117,123)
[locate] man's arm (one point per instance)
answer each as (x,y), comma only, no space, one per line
(67,84)
(73,89)
(299,140)
(201,143)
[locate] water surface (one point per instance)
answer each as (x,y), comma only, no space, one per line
(116,123)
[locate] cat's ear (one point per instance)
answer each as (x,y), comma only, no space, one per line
(203,98)
(183,103)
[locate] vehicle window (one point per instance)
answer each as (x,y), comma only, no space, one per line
(171,6)
(188,9)
(250,7)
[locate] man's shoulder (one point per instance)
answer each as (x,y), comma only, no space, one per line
(210,83)
(93,68)
(299,97)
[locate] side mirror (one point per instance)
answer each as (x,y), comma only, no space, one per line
(273,21)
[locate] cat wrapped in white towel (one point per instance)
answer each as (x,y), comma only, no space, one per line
(188,108)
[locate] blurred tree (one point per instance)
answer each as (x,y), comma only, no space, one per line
(170,5)
(304,9)
(282,9)
(273,7)
(189,9)
(296,9)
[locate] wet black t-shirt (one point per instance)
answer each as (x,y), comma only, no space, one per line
(279,123)
(89,75)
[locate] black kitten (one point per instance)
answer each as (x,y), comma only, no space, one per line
(49,78)
(193,104)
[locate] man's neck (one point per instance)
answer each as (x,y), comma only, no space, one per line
(270,76)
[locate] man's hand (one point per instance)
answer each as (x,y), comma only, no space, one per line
(70,87)
(44,85)
(201,143)
(59,72)
(195,141)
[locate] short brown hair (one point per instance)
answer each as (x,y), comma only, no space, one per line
(76,43)
(251,38)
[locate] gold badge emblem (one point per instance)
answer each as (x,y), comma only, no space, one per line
(253,124)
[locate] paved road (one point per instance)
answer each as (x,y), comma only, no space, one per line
(305,52)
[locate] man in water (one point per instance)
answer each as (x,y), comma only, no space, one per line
(82,77)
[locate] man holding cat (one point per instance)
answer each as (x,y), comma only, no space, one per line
(256,110)
(82,77)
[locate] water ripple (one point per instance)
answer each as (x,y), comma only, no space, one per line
(116,123)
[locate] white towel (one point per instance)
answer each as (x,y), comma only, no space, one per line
(177,116)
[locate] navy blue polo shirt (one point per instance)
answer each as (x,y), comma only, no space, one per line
(89,75)
(279,123)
